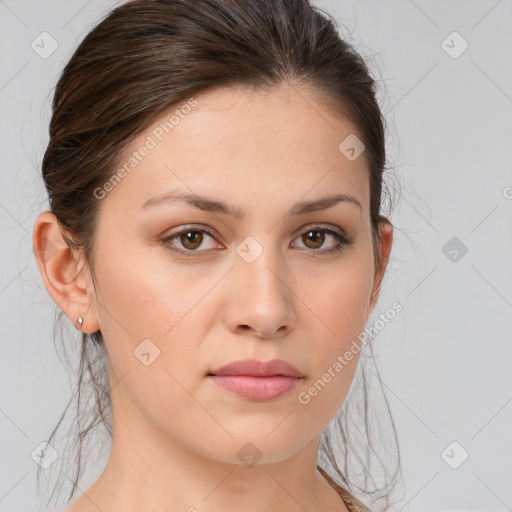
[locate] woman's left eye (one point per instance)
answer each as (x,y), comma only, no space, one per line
(192,238)
(316,237)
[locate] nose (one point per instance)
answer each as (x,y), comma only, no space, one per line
(261,298)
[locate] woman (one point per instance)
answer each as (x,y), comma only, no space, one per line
(214,173)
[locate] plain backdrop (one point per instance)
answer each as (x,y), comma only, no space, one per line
(445,75)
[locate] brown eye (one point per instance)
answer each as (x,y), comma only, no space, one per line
(314,237)
(191,239)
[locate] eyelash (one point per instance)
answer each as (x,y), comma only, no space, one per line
(341,240)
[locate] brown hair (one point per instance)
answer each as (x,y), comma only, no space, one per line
(148,56)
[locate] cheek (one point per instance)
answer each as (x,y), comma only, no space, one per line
(341,298)
(151,326)
(340,306)
(141,303)
(174,306)
(347,302)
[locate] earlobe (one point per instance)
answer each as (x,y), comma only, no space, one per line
(62,277)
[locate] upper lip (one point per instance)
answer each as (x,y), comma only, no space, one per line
(255,368)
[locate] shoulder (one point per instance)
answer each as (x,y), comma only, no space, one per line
(351,502)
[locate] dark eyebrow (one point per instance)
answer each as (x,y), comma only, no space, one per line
(211,205)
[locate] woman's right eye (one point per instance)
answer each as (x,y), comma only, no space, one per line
(190,240)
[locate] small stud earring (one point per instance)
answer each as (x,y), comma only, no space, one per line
(80,322)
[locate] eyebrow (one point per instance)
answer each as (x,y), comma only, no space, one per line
(214,206)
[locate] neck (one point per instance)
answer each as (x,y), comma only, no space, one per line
(149,470)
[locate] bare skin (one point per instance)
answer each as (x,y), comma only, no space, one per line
(177,435)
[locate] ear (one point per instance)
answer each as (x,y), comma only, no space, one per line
(384,249)
(63,278)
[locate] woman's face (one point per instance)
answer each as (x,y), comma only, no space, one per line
(261,277)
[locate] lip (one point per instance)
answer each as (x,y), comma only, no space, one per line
(257,380)
(255,368)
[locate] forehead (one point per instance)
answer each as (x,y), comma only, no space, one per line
(238,143)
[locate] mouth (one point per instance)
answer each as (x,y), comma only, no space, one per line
(257,381)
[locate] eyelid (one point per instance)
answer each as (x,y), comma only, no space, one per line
(189,227)
(322,226)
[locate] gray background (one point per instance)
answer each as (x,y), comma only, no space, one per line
(445,360)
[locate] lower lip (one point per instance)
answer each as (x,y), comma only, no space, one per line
(256,388)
